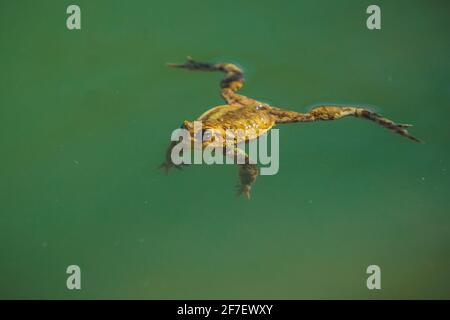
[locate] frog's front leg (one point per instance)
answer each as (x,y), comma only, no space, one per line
(247,176)
(247,171)
(168,164)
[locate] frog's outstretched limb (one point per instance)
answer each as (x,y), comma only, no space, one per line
(168,164)
(336,112)
(232,82)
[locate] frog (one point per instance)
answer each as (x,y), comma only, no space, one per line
(243,113)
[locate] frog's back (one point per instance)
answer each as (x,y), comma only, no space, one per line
(237,117)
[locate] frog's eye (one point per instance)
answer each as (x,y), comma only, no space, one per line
(199,135)
(206,133)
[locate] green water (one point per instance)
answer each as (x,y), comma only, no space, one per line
(85,117)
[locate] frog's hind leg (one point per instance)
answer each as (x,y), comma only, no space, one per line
(232,82)
(336,112)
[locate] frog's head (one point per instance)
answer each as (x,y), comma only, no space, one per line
(203,133)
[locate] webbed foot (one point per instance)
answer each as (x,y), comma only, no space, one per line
(243,190)
(192,65)
(166,166)
(247,176)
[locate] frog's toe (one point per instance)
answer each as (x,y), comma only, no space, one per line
(189,64)
(164,167)
(244,191)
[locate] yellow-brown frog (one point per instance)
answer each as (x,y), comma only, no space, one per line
(244,113)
